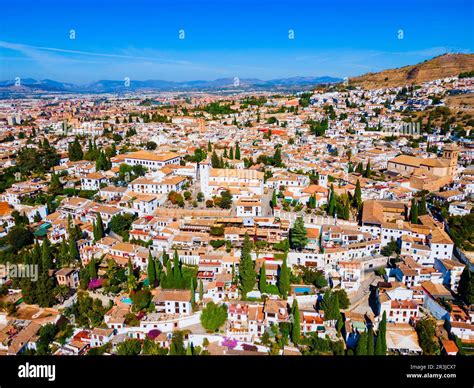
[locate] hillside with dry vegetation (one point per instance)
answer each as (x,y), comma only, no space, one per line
(446,65)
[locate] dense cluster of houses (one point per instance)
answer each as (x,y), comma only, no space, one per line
(267,199)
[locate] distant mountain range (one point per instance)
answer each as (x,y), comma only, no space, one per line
(438,67)
(29,85)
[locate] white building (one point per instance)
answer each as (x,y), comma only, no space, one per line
(173,302)
(451,271)
(241,182)
(249,207)
(151,160)
(93,181)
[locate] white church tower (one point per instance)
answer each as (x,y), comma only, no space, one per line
(203,176)
(323,180)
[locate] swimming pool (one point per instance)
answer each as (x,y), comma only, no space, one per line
(302,290)
(126,299)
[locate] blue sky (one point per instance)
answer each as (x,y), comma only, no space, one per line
(224,38)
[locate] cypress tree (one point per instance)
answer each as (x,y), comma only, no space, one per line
(100,227)
(215,162)
(27,286)
(350,167)
(94,230)
(101,162)
(465,288)
(189,351)
(165,257)
(209,146)
(237,151)
(201,290)
(346,211)
(92,269)
(358,196)
(367,172)
(382,332)
(262,282)
(332,202)
(63,254)
(163,280)
(235,279)
(46,260)
(326,305)
(321,244)
(231,153)
(361,349)
(169,283)
(284,279)
(108,162)
(73,251)
(158,271)
(44,290)
(75,152)
(378,345)
(69,224)
(36,256)
(177,277)
(295,328)
(191,287)
(336,308)
(274,199)
(422,209)
(414,212)
(370,342)
(151,271)
(247,272)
